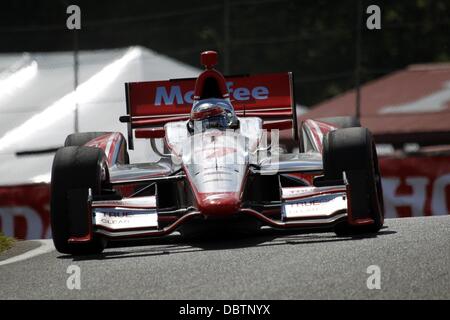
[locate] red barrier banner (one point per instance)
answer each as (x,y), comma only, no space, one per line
(25,211)
(416,186)
(413,186)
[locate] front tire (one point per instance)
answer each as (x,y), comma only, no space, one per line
(74,171)
(352,150)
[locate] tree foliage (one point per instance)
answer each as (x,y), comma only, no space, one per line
(314,39)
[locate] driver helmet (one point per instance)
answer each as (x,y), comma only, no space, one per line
(212,114)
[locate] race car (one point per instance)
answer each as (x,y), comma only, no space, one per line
(221,164)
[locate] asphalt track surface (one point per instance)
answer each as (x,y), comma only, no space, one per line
(413,255)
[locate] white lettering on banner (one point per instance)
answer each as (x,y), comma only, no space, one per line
(242,93)
(173,95)
(439,200)
(415,200)
(260,93)
(162,95)
(34,222)
(189,96)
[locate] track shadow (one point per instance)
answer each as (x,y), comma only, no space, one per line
(176,244)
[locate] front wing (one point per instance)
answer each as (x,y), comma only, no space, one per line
(139,217)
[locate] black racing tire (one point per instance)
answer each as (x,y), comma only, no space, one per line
(81,138)
(353,150)
(75,168)
(342,122)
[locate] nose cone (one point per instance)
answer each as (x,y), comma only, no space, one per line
(219,204)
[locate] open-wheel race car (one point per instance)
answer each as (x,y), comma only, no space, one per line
(221,164)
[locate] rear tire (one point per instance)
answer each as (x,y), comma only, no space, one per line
(75,169)
(342,122)
(81,138)
(352,150)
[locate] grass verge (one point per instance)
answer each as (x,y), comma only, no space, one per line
(5,242)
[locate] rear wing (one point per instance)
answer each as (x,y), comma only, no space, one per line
(154,103)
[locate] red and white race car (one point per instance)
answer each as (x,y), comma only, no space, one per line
(217,167)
